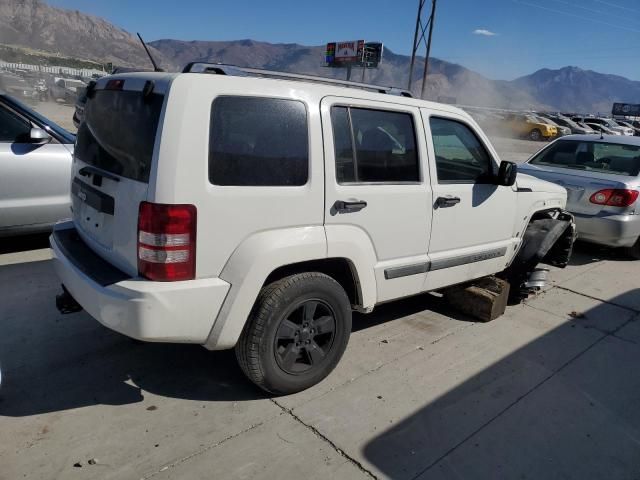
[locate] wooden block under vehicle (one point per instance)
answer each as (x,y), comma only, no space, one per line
(484,299)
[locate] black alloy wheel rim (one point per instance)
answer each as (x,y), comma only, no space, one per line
(305,336)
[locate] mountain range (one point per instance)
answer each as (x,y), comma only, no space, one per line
(34,24)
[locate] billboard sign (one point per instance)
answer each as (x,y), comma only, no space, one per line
(341,54)
(350,52)
(626,109)
(355,53)
(372,54)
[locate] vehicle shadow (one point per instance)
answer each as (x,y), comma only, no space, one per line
(387,312)
(52,362)
(585,253)
(23,243)
(561,406)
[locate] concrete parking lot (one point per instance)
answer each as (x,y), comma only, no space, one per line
(549,390)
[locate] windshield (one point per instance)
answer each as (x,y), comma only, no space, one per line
(566,122)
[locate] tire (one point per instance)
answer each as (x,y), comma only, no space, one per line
(535,135)
(279,349)
(634,251)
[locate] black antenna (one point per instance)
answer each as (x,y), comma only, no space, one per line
(156,68)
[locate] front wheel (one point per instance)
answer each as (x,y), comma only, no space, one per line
(296,333)
(535,135)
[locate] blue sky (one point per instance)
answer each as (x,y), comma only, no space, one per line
(601,35)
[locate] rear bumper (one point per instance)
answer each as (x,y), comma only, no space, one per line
(182,312)
(610,230)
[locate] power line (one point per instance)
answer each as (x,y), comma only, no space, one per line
(622,7)
(599,12)
(575,15)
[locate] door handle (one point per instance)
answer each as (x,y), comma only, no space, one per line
(447,201)
(342,206)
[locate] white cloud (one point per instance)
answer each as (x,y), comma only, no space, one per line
(484,32)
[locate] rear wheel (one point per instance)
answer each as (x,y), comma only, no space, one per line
(296,333)
(634,251)
(535,135)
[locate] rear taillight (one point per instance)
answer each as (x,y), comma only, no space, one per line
(614,197)
(167,241)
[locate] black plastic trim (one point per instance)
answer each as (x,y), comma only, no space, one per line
(471,258)
(86,260)
(91,170)
(406,270)
(93,197)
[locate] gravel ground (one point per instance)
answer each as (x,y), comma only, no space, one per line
(60,113)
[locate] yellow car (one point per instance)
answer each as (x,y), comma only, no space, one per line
(530,127)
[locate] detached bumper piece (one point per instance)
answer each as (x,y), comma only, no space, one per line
(548,239)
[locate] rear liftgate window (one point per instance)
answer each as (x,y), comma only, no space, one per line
(258,142)
(119,132)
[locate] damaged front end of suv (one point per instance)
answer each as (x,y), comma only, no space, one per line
(548,239)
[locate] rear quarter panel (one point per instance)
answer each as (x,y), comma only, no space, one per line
(228,215)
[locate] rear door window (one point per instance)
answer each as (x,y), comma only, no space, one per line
(257,141)
(119,132)
(374,146)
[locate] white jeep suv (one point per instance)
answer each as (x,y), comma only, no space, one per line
(232,210)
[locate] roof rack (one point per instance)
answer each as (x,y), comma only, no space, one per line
(224,69)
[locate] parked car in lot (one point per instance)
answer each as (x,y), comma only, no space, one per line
(65,89)
(287,203)
(528,126)
(571,125)
(602,180)
(603,129)
(35,168)
(561,131)
(623,123)
(608,123)
(18,87)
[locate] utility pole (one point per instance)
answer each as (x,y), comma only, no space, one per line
(415,43)
(425,37)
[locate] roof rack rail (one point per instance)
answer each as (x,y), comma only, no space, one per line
(224,69)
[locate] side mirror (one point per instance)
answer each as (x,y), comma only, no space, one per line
(39,136)
(507,174)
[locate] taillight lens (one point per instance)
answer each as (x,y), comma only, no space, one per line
(167,241)
(614,197)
